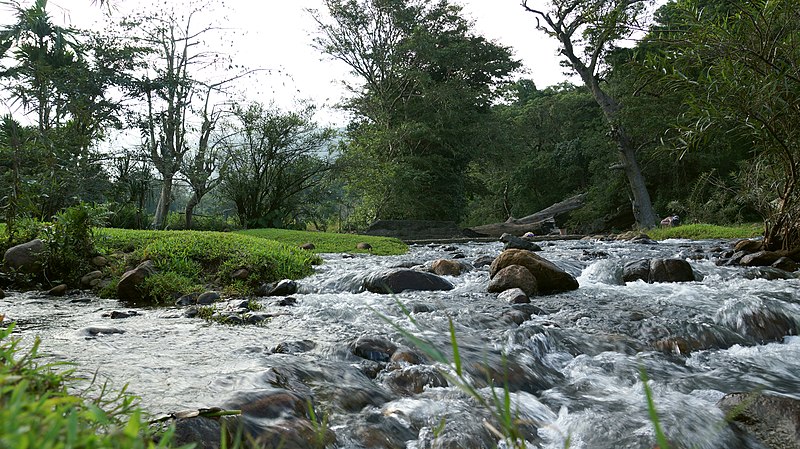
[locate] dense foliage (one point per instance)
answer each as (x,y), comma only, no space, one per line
(704,107)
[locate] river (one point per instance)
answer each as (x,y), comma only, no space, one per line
(573,359)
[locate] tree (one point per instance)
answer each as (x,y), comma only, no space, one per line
(271,158)
(740,71)
(63,78)
(587,31)
(202,166)
(422,106)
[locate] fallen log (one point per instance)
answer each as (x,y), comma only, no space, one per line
(541,223)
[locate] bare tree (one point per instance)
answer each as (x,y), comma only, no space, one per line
(587,30)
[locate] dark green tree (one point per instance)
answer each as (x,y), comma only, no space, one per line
(739,70)
(271,158)
(421,106)
(587,31)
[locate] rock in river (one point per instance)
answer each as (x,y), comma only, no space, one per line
(402,279)
(549,278)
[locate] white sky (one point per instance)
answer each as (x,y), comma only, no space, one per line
(277,35)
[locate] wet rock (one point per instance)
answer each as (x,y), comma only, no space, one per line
(445,267)
(118,315)
(308,246)
(636,237)
(278,418)
(2,294)
(516,316)
(285,287)
(529,309)
(25,258)
(786,264)
(773,420)
(593,255)
(514,242)
(765,325)
(420,307)
(514,296)
(88,278)
(549,278)
(58,290)
(286,302)
(364,246)
(187,300)
(399,280)
(240,274)
(128,288)
(370,368)
(767,273)
(670,270)
(761,259)
(658,270)
(256,318)
(191,312)
(748,246)
(407,356)
(377,349)
(208,298)
(94,331)
(502,371)
(202,432)
(699,336)
(411,380)
(293,347)
(514,277)
(382,432)
(482,261)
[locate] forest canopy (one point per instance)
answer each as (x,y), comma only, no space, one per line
(696,118)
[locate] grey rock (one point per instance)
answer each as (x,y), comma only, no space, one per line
(774,420)
(58,290)
(285,287)
(398,280)
(25,258)
(128,288)
(514,296)
(208,298)
(514,277)
(86,280)
(514,242)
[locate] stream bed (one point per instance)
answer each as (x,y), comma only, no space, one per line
(571,361)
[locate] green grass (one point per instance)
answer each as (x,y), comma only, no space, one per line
(707,231)
(330,242)
(189,260)
(36,410)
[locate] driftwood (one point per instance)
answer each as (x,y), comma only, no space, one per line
(542,222)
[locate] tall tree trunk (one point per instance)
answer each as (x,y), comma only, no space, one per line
(642,205)
(164,201)
(193,201)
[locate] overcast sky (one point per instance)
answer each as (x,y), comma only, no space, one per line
(277,35)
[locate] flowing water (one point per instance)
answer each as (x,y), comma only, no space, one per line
(572,363)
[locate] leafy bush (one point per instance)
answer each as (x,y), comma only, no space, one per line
(69,242)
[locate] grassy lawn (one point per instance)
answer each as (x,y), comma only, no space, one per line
(189,260)
(329,242)
(707,231)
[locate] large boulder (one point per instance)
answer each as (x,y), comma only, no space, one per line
(773,420)
(761,258)
(25,258)
(658,270)
(397,280)
(549,278)
(129,286)
(511,277)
